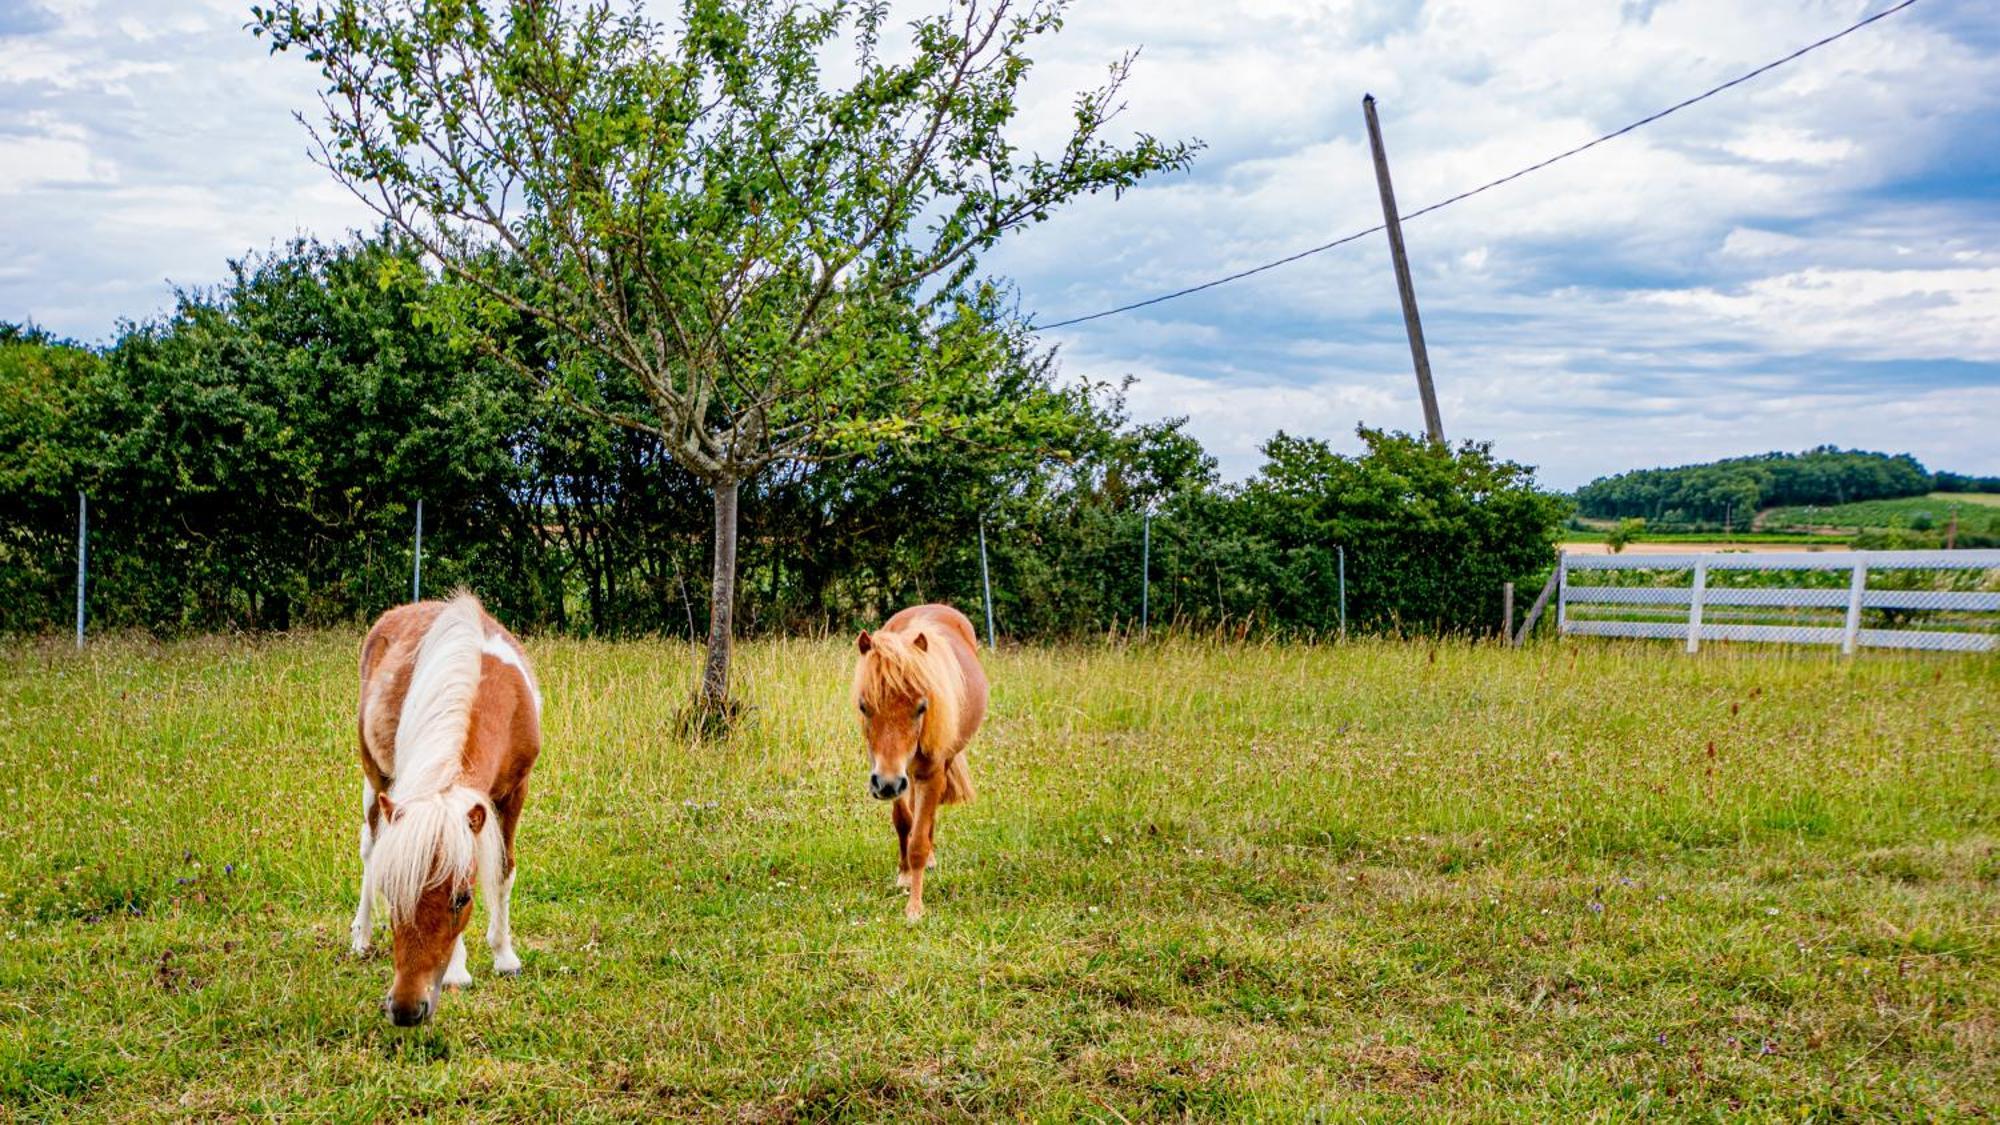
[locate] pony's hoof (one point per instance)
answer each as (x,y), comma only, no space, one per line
(458,979)
(902,880)
(507,964)
(913,913)
(931,862)
(358,945)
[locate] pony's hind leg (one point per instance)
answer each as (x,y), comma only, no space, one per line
(901,814)
(362,929)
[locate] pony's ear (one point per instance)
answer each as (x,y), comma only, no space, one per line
(923,643)
(864,642)
(476,816)
(387,806)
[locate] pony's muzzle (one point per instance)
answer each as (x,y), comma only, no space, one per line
(407,1015)
(887,788)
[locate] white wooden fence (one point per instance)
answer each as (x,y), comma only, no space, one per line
(1958,619)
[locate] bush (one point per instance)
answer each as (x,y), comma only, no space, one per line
(1627,531)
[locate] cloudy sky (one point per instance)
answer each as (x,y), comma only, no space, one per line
(1812,257)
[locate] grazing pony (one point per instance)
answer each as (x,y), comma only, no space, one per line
(450,726)
(922,695)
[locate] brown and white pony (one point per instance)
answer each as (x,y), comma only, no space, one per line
(450,726)
(922,696)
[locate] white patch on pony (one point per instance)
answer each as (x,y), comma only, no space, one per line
(362,929)
(456,974)
(367,835)
(499,648)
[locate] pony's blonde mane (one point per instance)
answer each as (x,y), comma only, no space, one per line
(430,839)
(894,668)
(437,710)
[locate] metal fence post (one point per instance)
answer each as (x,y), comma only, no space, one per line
(1694,604)
(82,552)
(1856,588)
(1145,571)
(1507,612)
(1341,554)
(986,582)
(417,556)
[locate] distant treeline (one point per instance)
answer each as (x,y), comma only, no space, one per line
(1731,491)
(252,461)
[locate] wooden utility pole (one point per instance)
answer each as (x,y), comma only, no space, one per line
(1404,288)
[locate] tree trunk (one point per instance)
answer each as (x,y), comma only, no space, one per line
(722,598)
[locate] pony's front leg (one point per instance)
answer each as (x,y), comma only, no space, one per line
(500,930)
(900,813)
(456,974)
(500,899)
(927,796)
(362,928)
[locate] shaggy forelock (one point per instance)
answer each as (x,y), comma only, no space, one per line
(895,670)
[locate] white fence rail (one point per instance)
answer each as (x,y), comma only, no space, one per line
(1959,611)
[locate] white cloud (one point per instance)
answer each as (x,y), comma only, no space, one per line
(1873,314)
(49,159)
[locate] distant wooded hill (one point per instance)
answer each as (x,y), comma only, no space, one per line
(1735,489)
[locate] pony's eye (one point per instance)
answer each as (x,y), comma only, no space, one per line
(923,705)
(461,900)
(865,710)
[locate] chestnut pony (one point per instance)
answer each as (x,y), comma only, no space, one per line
(922,696)
(450,726)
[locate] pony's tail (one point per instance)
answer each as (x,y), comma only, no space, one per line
(957,781)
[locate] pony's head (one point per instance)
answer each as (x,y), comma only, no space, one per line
(909,690)
(430,853)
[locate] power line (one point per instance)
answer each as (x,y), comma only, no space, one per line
(1511,176)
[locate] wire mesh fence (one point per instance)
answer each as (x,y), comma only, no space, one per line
(97,596)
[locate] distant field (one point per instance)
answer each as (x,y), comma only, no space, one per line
(1976,512)
(1700,539)
(1381,881)
(1695,544)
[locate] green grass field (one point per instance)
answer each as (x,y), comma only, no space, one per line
(1384,880)
(1977,511)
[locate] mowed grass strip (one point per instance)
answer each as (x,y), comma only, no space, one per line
(1977,511)
(1388,879)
